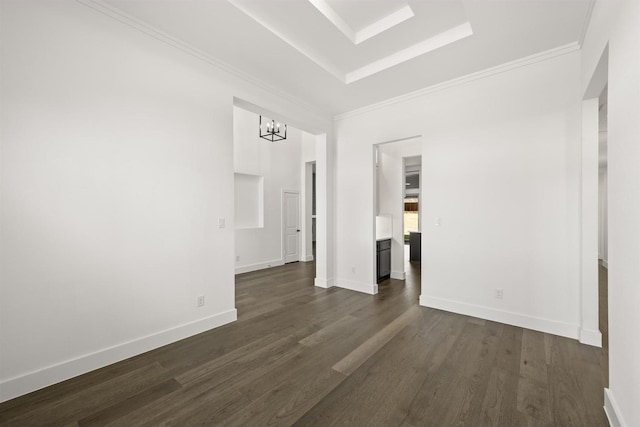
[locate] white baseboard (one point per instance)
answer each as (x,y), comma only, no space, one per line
(323,283)
(398,275)
(510,318)
(605,264)
(612,410)
(590,337)
(307,258)
(32,381)
(260,266)
(358,286)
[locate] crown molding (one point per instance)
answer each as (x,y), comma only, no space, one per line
(131,21)
(587,21)
(522,62)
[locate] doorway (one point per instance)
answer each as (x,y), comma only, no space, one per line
(271,192)
(391,203)
(594,207)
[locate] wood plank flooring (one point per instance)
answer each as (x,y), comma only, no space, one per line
(305,356)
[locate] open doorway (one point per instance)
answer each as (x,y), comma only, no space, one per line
(393,162)
(593,228)
(276,196)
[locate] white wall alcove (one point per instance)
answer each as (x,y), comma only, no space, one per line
(249,201)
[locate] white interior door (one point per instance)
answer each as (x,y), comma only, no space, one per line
(291,214)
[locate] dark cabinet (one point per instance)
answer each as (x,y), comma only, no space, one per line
(415,247)
(384,259)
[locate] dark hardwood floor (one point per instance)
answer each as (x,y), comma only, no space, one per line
(305,356)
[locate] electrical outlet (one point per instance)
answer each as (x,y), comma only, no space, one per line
(353,270)
(237,258)
(201,301)
(498,293)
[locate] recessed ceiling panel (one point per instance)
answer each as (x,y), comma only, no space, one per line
(361,20)
(326,36)
(362,13)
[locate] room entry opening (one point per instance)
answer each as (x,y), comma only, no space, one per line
(397,201)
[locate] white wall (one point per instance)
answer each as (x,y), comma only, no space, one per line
(278,163)
(501,171)
(618,25)
(117,162)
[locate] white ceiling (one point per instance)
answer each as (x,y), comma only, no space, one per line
(339,55)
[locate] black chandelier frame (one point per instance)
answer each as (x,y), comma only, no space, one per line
(271,134)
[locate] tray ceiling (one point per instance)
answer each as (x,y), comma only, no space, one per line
(363,44)
(344,54)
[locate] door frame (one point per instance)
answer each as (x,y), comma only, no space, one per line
(283,228)
(589,331)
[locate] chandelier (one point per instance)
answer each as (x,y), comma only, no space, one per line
(272,131)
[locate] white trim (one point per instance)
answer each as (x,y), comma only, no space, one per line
(125,18)
(259,266)
(358,286)
(436,42)
(398,275)
(384,24)
(32,381)
(510,318)
(590,337)
(323,283)
(612,410)
(587,21)
(307,258)
(528,60)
